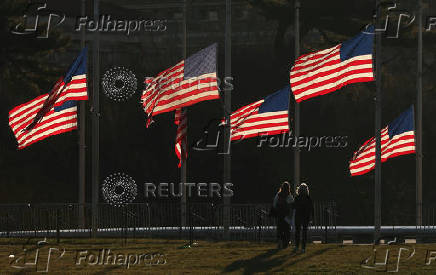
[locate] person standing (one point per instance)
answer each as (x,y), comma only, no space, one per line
(282,205)
(303,206)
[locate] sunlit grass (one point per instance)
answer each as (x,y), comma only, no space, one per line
(207,257)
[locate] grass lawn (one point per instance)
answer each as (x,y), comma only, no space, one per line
(84,256)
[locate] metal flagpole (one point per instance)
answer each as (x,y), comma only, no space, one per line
(419,123)
(378,107)
(227,112)
(183,153)
(82,140)
(297,105)
(95,124)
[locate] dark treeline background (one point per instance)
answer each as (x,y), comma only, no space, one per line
(262,54)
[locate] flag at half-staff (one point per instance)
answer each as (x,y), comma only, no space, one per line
(398,138)
(268,116)
(181,120)
(188,82)
(53,113)
(328,70)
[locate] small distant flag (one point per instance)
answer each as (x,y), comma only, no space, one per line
(398,138)
(53,113)
(188,82)
(328,70)
(181,120)
(267,116)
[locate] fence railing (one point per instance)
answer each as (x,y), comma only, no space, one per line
(246,221)
(203,221)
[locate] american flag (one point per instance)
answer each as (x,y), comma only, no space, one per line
(398,138)
(53,113)
(188,82)
(267,116)
(181,120)
(328,70)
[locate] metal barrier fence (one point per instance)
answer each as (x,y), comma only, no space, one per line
(162,219)
(428,216)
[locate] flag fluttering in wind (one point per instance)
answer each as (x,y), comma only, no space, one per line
(267,116)
(181,120)
(53,113)
(328,70)
(398,138)
(188,82)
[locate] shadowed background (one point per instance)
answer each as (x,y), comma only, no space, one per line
(262,54)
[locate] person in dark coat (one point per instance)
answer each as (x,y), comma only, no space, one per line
(303,207)
(282,205)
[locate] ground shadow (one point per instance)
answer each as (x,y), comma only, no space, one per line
(308,255)
(260,263)
(264,262)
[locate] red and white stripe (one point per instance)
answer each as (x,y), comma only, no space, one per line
(170,91)
(323,72)
(246,122)
(181,120)
(53,123)
(364,159)
(76,89)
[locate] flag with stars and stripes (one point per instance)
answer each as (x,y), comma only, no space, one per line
(188,82)
(53,113)
(328,70)
(268,116)
(398,138)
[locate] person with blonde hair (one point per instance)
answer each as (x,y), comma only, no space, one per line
(282,206)
(303,207)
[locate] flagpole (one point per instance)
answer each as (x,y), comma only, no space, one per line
(297,105)
(183,153)
(95,124)
(82,140)
(378,114)
(419,122)
(227,112)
